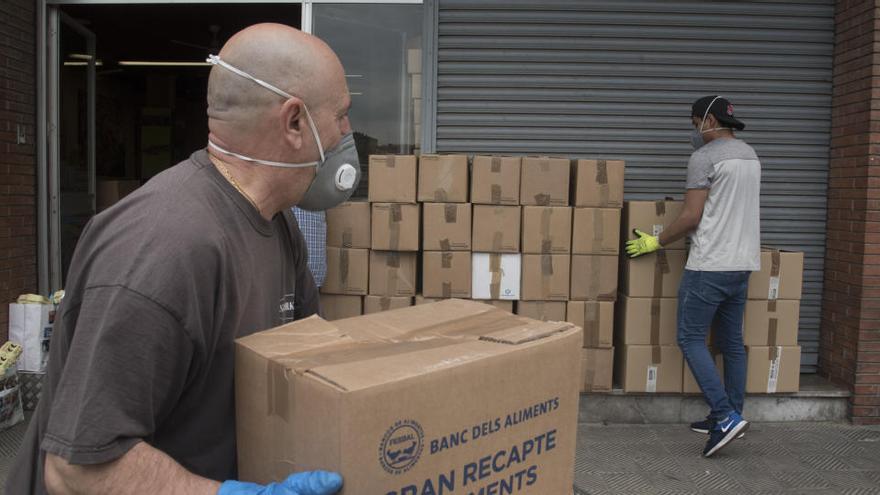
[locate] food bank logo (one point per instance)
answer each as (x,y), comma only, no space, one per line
(401,446)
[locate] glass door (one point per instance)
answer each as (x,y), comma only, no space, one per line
(71,138)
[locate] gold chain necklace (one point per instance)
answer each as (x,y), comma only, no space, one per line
(232,181)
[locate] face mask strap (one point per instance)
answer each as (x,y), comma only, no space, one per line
(215,60)
(706,114)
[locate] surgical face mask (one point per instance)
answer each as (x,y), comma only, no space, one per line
(697,134)
(338,171)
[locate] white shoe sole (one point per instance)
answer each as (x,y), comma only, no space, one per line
(733,435)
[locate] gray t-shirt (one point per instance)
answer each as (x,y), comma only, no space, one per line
(729,235)
(159,287)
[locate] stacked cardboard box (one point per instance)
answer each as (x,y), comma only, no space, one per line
(648,358)
(771,323)
(348,251)
(597,196)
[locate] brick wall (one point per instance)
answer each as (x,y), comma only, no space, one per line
(18,259)
(850,334)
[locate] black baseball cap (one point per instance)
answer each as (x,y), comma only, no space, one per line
(721,108)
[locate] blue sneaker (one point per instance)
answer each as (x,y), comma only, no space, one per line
(705,426)
(724,432)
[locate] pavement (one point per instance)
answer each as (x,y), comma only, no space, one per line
(773,458)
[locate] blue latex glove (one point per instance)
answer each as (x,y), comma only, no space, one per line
(308,483)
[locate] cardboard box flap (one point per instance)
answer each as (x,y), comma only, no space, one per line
(528,333)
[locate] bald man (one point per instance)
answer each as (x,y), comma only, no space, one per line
(138,396)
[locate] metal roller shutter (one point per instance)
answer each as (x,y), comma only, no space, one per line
(612,79)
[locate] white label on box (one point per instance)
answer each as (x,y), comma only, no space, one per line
(657,229)
(773,293)
(506,278)
(651,384)
(773,376)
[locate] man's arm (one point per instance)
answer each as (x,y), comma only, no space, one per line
(689,219)
(142,470)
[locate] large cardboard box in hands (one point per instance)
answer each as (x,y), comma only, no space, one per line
(449,397)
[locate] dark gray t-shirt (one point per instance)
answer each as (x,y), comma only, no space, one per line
(159,287)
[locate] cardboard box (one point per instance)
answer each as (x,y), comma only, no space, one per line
(781,276)
(496,276)
(598,183)
(395,227)
(348,271)
(443,178)
(593,277)
(414,60)
(495,180)
(773,370)
(348,225)
(643,321)
(546,230)
(597,366)
(597,320)
(650,217)
(393,179)
(544,181)
(337,307)
(545,277)
(496,229)
(421,396)
(108,192)
(446,226)
(689,383)
(446,274)
(393,273)
(653,275)
(376,304)
(646,368)
(771,323)
(596,231)
(542,310)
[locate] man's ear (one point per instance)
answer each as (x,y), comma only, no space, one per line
(293,122)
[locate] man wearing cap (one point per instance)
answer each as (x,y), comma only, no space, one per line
(139,389)
(722,216)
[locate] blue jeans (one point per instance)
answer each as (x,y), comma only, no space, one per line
(704,297)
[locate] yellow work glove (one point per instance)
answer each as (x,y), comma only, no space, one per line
(645,244)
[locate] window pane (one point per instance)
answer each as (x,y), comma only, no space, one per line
(374,43)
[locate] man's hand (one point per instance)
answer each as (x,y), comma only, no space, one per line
(645,244)
(309,483)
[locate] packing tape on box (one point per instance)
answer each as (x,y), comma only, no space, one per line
(546,240)
(496,165)
(771,306)
(542,199)
(384,303)
(347,238)
(446,260)
(773,291)
(656,354)
(450,213)
(445,245)
(343,268)
(655,321)
(446,289)
(495,190)
(544,163)
(276,389)
(495,270)
(660,208)
(661,268)
(602,180)
(444,180)
(390,161)
(546,274)
(497,241)
(592,323)
(772,332)
(598,230)
(595,278)
(589,377)
(395,217)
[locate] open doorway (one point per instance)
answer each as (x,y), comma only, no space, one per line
(147,91)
